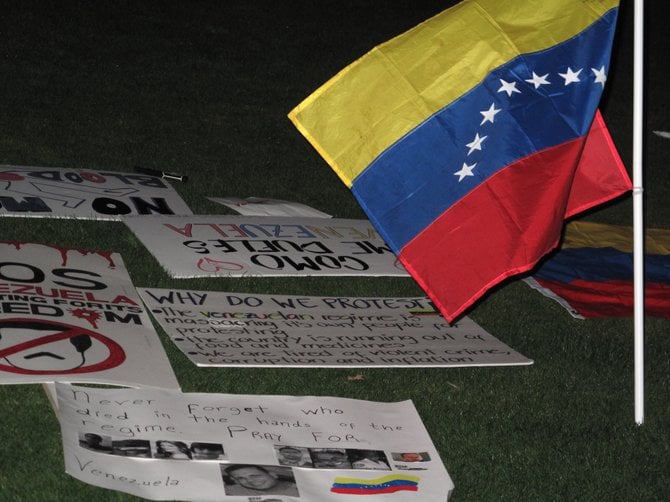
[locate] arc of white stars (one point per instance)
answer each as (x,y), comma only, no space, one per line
(466,170)
(476,144)
(489,115)
(508,87)
(600,75)
(571,76)
(538,80)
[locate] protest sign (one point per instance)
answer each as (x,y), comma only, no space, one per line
(87,194)
(238,246)
(165,445)
(258,206)
(235,329)
(74,316)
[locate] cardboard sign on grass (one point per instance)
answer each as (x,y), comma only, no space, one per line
(47,192)
(238,246)
(234,329)
(165,445)
(71,315)
(260,206)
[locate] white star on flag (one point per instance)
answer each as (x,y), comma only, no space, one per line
(466,170)
(600,75)
(489,114)
(571,76)
(475,144)
(538,80)
(508,87)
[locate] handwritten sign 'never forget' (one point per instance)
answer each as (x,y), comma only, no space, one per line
(165,445)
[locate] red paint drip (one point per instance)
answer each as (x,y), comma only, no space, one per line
(16,244)
(107,255)
(10,176)
(91,316)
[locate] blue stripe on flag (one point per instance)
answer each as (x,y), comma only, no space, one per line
(600,265)
(397,482)
(410,184)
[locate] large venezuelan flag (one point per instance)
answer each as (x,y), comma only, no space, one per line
(468,139)
(592,272)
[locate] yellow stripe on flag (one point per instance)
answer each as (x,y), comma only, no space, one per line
(377,481)
(581,234)
(382,96)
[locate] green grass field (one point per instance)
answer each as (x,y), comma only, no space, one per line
(203,88)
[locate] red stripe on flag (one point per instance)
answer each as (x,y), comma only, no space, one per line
(600,172)
(610,298)
(501,228)
(373,491)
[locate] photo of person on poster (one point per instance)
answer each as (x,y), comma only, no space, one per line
(174,450)
(132,448)
(368,459)
(294,456)
(249,479)
(207,451)
(330,458)
(95,442)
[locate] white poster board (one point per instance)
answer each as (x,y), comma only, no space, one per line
(259,206)
(243,246)
(74,316)
(86,194)
(164,445)
(235,329)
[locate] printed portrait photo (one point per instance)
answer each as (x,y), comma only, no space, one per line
(258,480)
(95,442)
(410,456)
(294,456)
(173,450)
(368,459)
(207,451)
(132,448)
(330,458)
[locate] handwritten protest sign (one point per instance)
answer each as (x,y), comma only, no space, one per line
(259,206)
(237,246)
(74,316)
(87,194)
(234,329)
(165,445)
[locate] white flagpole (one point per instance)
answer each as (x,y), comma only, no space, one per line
(638,210)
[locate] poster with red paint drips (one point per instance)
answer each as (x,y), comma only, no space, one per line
(45,192)
(69,315)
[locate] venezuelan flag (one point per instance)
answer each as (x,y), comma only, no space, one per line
(468,139)
(592,272)
(386,484)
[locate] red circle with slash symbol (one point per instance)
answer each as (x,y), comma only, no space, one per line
(63,332)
